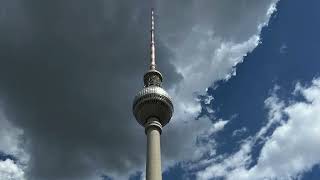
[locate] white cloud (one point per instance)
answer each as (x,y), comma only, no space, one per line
(294,147)
(10,171)
(10,144)
(239,131)
(291,150)
(211,144)
(9,137)
(208,99)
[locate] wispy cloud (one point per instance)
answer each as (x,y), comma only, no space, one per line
(291,150)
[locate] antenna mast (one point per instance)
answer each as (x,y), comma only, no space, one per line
(152,44)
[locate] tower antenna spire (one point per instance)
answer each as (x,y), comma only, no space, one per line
(152,44)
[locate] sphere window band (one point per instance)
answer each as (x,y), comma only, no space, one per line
(153,101)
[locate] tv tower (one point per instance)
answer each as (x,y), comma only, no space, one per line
(153,108)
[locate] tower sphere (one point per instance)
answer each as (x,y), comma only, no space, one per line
(152,101)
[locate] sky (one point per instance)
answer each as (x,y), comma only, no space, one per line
(244,76)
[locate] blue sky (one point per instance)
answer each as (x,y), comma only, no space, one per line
(71,95)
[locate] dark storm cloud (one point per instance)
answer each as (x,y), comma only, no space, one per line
(68,72)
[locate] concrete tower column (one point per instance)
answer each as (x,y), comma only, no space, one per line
(153,166)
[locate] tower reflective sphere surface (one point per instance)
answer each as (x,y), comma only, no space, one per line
(153,109)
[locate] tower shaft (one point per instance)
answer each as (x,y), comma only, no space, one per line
(153,166)
(153,127)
